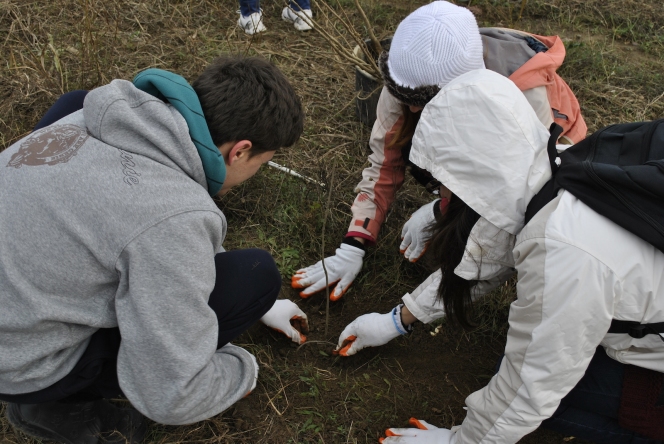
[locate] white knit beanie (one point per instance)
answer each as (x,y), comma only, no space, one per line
(434,45)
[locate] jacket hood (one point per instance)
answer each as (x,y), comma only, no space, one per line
(136,122)
(481,139)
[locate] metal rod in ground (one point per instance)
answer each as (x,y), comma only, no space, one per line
(322,241)
(294,173)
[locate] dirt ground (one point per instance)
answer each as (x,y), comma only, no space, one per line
(304,394)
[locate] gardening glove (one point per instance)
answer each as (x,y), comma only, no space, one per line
(287,318)
(370,330)
(425,433)
(341,268)
(414,234)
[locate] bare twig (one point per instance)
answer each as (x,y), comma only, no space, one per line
(322,241)
(376,44)
(343,50)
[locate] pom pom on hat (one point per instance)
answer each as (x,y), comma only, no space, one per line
(434,45)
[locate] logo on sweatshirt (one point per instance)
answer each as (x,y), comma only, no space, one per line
(130,174)
(49,146)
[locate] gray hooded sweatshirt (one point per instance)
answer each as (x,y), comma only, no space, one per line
(105,221)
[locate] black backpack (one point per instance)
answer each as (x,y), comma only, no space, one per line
(618,171)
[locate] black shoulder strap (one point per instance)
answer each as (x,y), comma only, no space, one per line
(555,130)
(636,330)
(549,190)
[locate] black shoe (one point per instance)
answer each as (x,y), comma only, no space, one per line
(93,422)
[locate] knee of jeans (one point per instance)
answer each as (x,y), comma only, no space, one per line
(270,273)
(77,96)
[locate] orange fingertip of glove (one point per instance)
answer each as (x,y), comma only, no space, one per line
(303,339)
(344,351)
(416,423)
(295,282)
(334,298)
(389,432)
(303,295)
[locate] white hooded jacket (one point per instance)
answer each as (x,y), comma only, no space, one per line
(576,269)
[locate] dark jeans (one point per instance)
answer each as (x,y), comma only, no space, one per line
(590,410)
(247,285)
(66,104)
(248,7)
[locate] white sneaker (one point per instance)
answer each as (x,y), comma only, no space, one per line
(301,24)
(252,24)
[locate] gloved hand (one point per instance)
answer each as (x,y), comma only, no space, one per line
(414,235)
(425,433)
(287,318)
(370,330)
(341,268)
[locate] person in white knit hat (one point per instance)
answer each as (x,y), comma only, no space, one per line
(432,46)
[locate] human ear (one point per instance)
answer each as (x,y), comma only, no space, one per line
(239,150)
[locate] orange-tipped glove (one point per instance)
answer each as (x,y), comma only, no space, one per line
(425,433)
(370,330)
(287,318)
(414,235)
(343,267)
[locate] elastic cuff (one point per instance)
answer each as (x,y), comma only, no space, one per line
(370,241)
(396,318)
(354,243)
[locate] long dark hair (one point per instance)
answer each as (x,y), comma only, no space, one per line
(449,234)
(405,133)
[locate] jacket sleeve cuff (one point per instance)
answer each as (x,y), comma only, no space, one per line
(416,310)
(370,240)
(349,240)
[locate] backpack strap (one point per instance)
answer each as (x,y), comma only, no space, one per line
(550,189)
(555,130)
(636,330)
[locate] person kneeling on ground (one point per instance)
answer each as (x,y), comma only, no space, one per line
(454,46)
(577,273)
(113,278)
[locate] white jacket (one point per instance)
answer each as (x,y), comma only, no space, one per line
(576,269)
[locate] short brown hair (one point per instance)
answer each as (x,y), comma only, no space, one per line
(249,98)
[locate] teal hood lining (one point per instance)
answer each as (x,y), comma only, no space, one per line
(175,90)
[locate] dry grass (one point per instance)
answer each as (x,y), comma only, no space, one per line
(614,65)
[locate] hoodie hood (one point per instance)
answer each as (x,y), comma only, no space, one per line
(136,122)
(481,139)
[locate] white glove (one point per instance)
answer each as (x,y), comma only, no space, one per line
(287,318)
(370,330)
(425,433)
(343,267)
(414,234)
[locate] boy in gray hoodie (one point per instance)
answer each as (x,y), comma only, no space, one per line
(113,278)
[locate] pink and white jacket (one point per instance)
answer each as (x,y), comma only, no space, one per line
(507,52)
